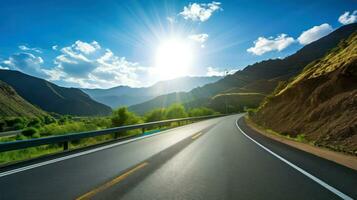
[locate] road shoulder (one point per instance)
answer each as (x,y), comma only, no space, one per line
(337,157)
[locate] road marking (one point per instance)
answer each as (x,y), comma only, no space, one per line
(109,184)
(6,173)
(317,180)
(197,135)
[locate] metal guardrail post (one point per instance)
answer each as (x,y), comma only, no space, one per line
(65,145)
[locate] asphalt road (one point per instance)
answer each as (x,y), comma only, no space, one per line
(213,159)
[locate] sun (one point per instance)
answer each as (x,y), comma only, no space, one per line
(174,58)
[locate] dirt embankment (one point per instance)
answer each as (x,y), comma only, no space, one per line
(320,103)
(337,157)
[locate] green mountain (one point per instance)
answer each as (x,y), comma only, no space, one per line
(12,105)
(261,77)
(127,96)
(319,103)
(234,102)
(52,98)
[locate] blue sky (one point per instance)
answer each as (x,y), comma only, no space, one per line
(107,43)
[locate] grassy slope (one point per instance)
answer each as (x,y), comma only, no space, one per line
(11,104)
(321,102)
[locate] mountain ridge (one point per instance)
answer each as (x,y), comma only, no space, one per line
(51,97)
(126,96)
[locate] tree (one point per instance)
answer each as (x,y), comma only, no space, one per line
(29,132)
(16,123)
(122,117)
(34,122)
(176,111)
(203,111)
(48,119)
(155,115)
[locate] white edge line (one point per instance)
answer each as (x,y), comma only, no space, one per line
(317,180)
(6,173)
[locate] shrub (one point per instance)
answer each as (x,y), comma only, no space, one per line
(251,111)
(35,122)
(203,111)
(18,126)
(36,135)
(48,120)
(29,132)
(20,137)
(155,115)
(176,111)
(100,122)
(16,122)
(69,127)
(301,138)
(122,116)
(64,118)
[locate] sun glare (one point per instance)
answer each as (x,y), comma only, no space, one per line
(174,58)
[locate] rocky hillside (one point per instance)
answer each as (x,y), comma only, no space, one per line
(320,102)
(12,105)
(51,97)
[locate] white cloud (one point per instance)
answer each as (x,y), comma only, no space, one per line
(86,48)
(26,48)
(314,33)
(263,45)
(200,38)
(82,64)
(25,62)
(212,71)
(1,67)
(55,47)
(88,65)
(200,12)
(347,18)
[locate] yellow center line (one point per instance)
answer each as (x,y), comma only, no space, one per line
(91,193)
(197,135)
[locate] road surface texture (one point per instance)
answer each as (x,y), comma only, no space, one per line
(214,159)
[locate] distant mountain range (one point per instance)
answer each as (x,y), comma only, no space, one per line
(320,103)
(126,96)
(261,77)
(12,105)
(52,98)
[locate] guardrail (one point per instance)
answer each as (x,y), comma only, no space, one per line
(10,133)
(66,139)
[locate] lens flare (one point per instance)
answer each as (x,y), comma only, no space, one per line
(174,58)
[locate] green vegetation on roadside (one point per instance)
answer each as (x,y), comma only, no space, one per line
(37,127)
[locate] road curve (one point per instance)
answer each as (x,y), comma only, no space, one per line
(213,159)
